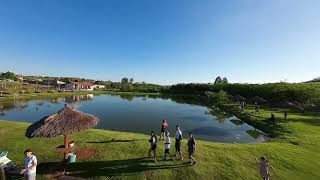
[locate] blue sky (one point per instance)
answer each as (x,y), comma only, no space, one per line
(165,42)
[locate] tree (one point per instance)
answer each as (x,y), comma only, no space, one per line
(127,87)
(225,80)
(218,80)
(8,75)
(124,80)
(131,80)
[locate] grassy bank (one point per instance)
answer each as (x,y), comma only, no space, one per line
(121,155)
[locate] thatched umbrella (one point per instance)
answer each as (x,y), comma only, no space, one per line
(64,122)
(258,99)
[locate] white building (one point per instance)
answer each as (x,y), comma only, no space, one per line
(80,86)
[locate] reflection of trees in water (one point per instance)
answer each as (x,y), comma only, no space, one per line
(54,100)
(237,122)
(187,99)
(78,98)
(130,97)
(221,116)
(39,103)
(259,136)
(127,97)
(7,106)
(21,106)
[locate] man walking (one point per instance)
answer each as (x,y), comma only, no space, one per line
(178,142)
(167,147)
(191,148)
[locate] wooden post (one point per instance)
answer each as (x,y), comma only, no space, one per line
(66,146)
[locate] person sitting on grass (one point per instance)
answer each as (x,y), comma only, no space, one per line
(178,142)
(264,165)
(30,166)
(167,147)
(153,147)
(191,148)
(272,119)
(164,126)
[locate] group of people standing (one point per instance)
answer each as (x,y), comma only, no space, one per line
(165,135)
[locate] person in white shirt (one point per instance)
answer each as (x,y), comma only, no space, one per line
(178,142)
(30,166)
(167,146)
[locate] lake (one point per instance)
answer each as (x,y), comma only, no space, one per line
(141,114)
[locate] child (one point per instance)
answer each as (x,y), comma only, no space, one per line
(30,166)
(263,165)
(167,147)
(153,146)
(164,126)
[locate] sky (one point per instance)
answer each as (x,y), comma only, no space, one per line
(163,42)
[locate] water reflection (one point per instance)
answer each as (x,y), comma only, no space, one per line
(7,106)
(78,98)
(220,115)
(39,103)
(258,135)
(237,122)
(127,97)
(55,100)
(21,106)
(141,114)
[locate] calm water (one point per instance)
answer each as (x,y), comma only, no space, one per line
(141,115)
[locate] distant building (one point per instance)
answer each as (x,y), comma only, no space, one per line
(54,83)
(97,86)
(20,78)
(80,86)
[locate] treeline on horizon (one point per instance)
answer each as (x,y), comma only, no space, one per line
(304,94)
(124,85)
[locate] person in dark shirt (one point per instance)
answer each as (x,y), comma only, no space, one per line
(153,146)
(178,142)
(272,119)
(191,148)
(285,115)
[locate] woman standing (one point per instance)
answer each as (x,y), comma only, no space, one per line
(164,127)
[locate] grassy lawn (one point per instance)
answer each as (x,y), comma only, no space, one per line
(121,155)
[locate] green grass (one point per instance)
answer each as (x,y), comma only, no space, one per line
(295,154)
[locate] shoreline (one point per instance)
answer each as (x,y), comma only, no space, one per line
(120,154)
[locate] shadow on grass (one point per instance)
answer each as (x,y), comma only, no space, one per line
(314,120)
(107,168)
(273,130)
(114,141)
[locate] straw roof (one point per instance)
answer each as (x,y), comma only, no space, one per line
(64,122)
